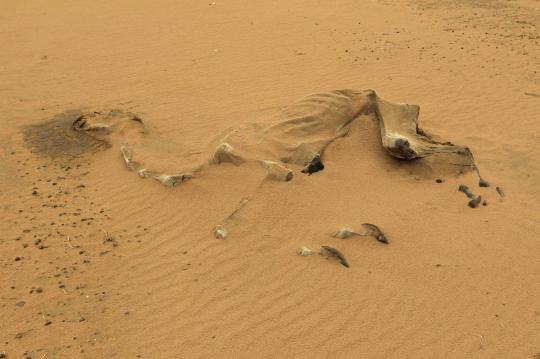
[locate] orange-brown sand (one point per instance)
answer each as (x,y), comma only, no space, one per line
(96,262)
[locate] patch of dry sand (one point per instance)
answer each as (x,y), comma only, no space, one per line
(97,263)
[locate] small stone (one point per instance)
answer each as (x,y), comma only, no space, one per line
(48,322)
(39,290)
(20,304)
(439,180)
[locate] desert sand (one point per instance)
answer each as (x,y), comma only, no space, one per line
(97,262)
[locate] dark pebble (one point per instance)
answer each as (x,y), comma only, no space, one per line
(439,180)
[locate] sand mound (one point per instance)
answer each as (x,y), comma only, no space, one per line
(296,136)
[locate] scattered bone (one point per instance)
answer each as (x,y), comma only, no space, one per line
(225,153)
(330,251)
(276,171)
(241,205)
(315,165)
(500,192)
(345,232)
(172,180)
(304,251)
(220,232)
(127,153)
(80,125)
(467,191)
(144,173)
(169,180)
(102,122)
(473,203)
(375,232)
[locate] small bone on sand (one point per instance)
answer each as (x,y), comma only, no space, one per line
(304,251)
(220,232)
(346,232)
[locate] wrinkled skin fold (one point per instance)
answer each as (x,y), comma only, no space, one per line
(292,137)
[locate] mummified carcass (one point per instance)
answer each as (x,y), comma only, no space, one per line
(297,136)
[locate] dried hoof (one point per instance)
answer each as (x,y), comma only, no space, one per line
(483,183)
(473,203)
(375,232)
(315,165)
(329,251)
